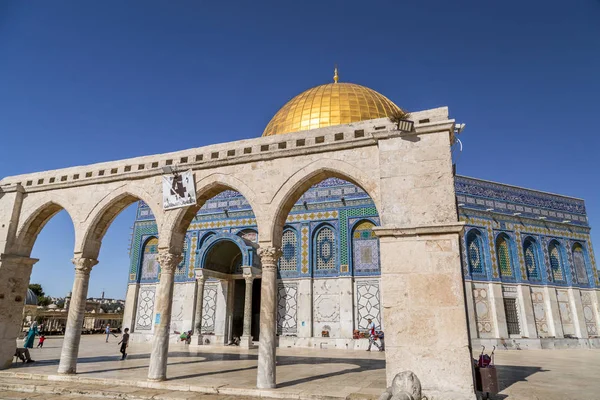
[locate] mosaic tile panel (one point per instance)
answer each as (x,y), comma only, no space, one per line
(289,246)
(150,267)
(365,249)
(368,303)
(579,265)
(304,248)
(141,231)
(556,263)
(287,308)
(325,249)
(145,308)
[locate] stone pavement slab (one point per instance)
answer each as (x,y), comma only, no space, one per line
(225,372)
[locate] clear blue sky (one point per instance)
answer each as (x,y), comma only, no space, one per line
(84,82)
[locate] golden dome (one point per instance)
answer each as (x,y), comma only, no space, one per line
(329,105)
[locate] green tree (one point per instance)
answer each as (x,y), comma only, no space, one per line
(37,289)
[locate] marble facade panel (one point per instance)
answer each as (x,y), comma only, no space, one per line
(540,312)
(483,310)
(326,307)
(144,316)
(566,313)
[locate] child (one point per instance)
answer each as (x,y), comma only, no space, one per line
(123,343)
(41,342)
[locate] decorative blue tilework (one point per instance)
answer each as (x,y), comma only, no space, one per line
(531,259)
(475,253)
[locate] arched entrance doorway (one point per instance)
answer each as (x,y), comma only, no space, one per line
(229,271)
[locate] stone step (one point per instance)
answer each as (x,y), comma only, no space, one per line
(34,386)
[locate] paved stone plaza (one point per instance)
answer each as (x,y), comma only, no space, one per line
(302,373)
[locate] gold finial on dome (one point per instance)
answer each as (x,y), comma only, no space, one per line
(335,75)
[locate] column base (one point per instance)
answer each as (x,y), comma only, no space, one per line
(67,372)
(161,379)
(198,340)
(246,342)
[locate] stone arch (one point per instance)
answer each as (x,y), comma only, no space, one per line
(178,221)
(42,211)
(302,180)
(103,213)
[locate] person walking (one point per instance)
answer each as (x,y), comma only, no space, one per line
(41,342)
(372,335)
(124,343)
(33,331)
(107,331)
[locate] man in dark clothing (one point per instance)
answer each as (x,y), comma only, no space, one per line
(124,341)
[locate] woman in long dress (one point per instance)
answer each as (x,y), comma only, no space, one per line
(28,344)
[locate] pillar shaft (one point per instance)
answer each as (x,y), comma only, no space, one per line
(15,272)
(164,304)
(268,299)
(75,319)
(199,306)
(248,307)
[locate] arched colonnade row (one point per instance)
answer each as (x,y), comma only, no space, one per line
(92,213)
(407,175)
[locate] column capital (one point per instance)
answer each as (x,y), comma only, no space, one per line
(269,256)
(84,265)
(249,278)
(13,258)
(168,261)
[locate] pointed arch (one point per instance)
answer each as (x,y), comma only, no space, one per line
(34,222)
(303,179)
(557,268)
(531,257)
(365,248)
(580,264)
(148,266)
(475,253)
(504,256)
(325,250)
(104,212)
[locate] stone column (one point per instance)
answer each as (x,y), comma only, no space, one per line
(268,322)
(554,320)
(499,314)
(246,339)
(578,319)
(164,304)
(429,325)
(70,348)
(527,316)
(200,281)
(14,272)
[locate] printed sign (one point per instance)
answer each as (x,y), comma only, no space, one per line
(179,190)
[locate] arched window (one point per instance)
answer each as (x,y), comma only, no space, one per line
(365,248)
(579,263)
(205,238)
(150,266)
(325,249)
(531,260)
(503,256)
(289,245)
(475,252)
(556,264)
